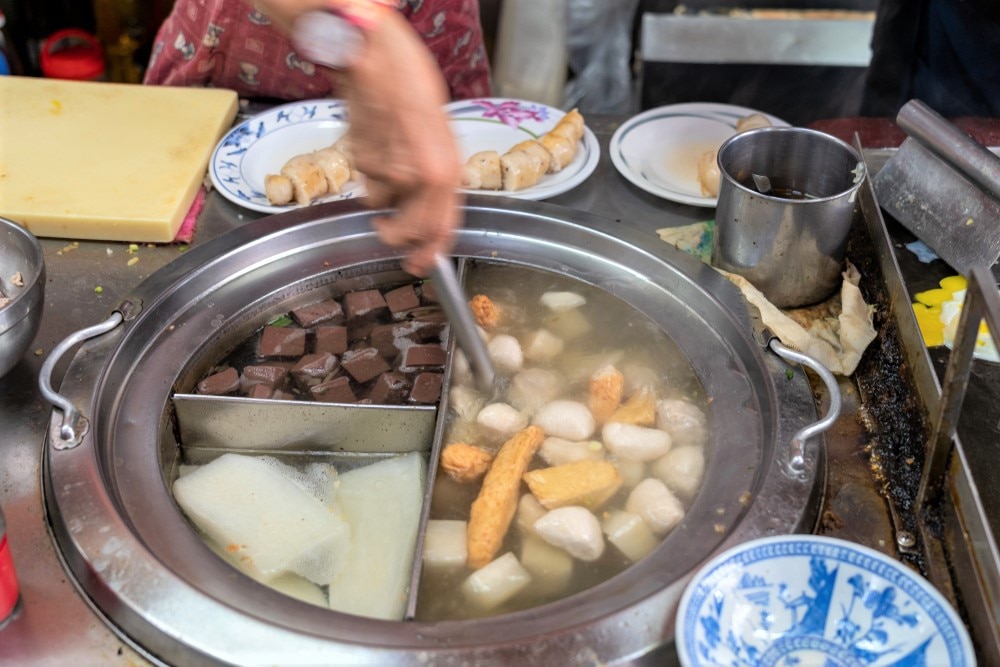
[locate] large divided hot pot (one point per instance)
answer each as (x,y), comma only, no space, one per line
(113,447)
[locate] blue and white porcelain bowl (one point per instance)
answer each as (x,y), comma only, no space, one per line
(798,600)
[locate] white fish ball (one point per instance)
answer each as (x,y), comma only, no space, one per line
(635,443)
(570,420)
(542,345)
(534,387)
(574,529)
(461,371)
(683,420)
(632,472)
(557,451)
(502,418)
(658,507)
(505,352)
(465,401)
(559,302)
(681,469)
(497,582)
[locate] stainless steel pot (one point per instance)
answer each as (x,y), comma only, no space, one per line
(137,559)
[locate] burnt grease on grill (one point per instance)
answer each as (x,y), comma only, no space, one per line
(379,346)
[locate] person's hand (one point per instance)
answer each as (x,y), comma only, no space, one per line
(401,142)
(400,139)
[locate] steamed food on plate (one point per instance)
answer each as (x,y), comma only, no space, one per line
(524,164)
(708,167)
(309,176)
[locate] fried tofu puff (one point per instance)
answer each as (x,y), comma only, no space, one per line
(485,311)
(606,387)
(465,463)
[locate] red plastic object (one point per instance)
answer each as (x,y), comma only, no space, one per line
(72,54)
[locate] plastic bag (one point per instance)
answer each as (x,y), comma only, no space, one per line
(599,42)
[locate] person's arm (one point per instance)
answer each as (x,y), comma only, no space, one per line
(400,137)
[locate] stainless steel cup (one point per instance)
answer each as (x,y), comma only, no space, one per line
(786,201)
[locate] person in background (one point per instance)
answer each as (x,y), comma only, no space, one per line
(942,52)
(413,56)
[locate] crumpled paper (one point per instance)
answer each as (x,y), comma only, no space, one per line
(835,332)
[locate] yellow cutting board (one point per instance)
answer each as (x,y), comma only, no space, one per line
(105,161)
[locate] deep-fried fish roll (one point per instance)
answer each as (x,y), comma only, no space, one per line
(521,169)
(307,178)
(482,171)
(560,148)
(336,168)
(533,147)
(278,189)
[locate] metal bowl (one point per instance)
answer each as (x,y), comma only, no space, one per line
(20,253)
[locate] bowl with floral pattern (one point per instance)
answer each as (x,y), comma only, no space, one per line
(795,600)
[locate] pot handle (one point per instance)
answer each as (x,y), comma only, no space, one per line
(74,424)
(797,447)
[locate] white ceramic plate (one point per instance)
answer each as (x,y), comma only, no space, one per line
(658,150)
(498,123)
(811,600)
(261,145)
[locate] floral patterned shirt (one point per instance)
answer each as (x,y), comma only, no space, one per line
(231,44)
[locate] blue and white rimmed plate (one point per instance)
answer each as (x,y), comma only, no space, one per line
(658,150)
(811,600)
(263,144)
(498,124)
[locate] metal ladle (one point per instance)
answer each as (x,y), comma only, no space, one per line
(455,305)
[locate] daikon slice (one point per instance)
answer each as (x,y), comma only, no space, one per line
(382,504)
(263,520)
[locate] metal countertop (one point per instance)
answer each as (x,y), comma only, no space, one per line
(55,625)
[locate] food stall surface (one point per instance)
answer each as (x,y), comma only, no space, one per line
(86,280)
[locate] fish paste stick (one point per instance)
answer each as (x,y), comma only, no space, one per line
(495,506)
(560,148)
(520,170)
(307,178)
(482,171)
(336,168)
(279,189)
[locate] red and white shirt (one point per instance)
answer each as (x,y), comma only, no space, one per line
(231,44)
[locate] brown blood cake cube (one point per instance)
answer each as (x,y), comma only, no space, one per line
(315,313)
(331,338)
(365,304)
(364,364)
(401,300)
(423,356)
(429,326)
(383,338)
(260,391)
(269,375)
(390,388)
(361,330)
(428,293)
(315,366)
(282,342)
(337,390)
(426,388)
(219,384)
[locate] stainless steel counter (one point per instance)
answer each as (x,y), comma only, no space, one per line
(55,625)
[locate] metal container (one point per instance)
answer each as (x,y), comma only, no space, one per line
(20,252)
(137,559)
(786,201)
